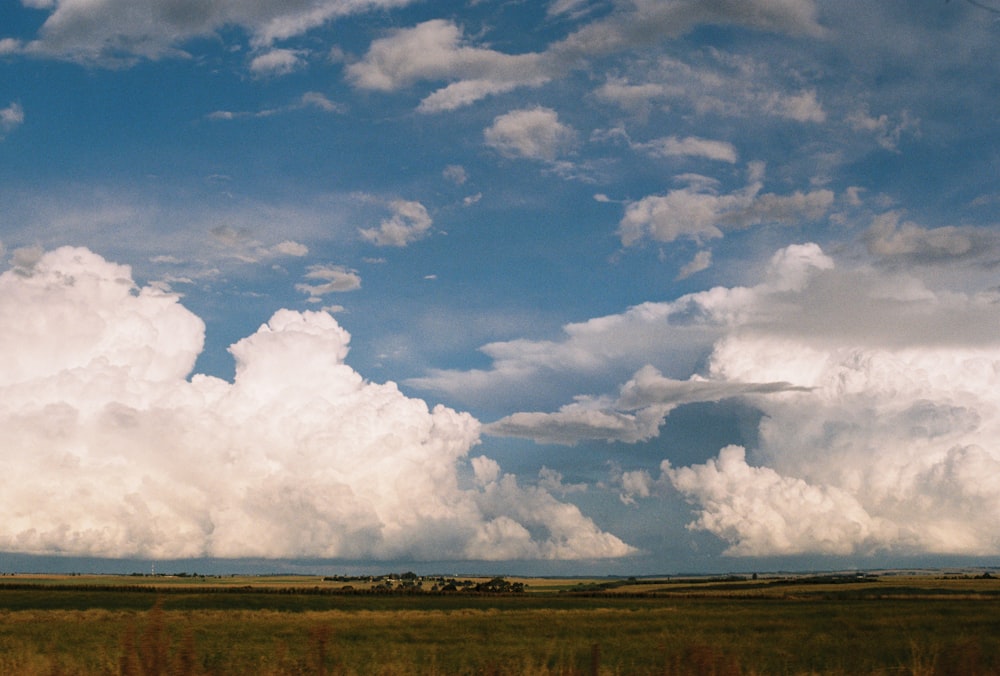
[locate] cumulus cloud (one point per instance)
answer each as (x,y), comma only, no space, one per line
(764,513)
(455,173)
(801,107)
(11,118)
(110,449)
(409,222)
(531,133)
(276,62)
(699,212)
(898,449)
(290,248)
(10,46)
(436,50)
(878,398)
(674,334)
(899,242)
(117,31)
(334,278)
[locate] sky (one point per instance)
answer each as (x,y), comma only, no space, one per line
(564,287)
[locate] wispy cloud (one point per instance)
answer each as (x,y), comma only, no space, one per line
(308,100)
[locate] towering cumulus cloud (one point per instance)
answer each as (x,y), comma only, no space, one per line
(891,441)
(110,450)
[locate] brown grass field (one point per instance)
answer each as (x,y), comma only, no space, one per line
(930,623)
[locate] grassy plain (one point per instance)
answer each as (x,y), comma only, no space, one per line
(905,624)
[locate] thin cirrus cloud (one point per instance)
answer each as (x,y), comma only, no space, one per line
(718,84)
(299,456)
(309,100)
(691,146)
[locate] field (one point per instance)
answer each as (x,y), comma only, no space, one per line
(885,624)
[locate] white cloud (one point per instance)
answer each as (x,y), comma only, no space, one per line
(290,248)
(907,243)
(728,85)
(409,222)
(700,213)
(436,50)
(701,261)
(307,100)
(11,118)
(634,98)
(894,445)
(674,334)
(637,413)
(643,22)
(117,31)
(336,278)
(276,62)
(801,107)
(318,100)
(111,450)
(692,146)
(239,243)
(764,513)
(879,402)
(570,7)
(456,174)
(514,512)
(10,46)
(531,133)
(887,132)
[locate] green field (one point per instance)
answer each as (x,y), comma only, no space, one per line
(890,624)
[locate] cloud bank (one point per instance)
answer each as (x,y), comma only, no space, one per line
(700,213)
(437,50)
(111,450)
(119,31)
(880,403)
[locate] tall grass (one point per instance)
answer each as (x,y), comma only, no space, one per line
(181,634)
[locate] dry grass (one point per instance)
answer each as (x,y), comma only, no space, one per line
(923,627)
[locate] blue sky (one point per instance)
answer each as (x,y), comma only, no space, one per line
(619,286)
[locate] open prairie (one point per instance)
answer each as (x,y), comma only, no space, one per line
(832,624)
